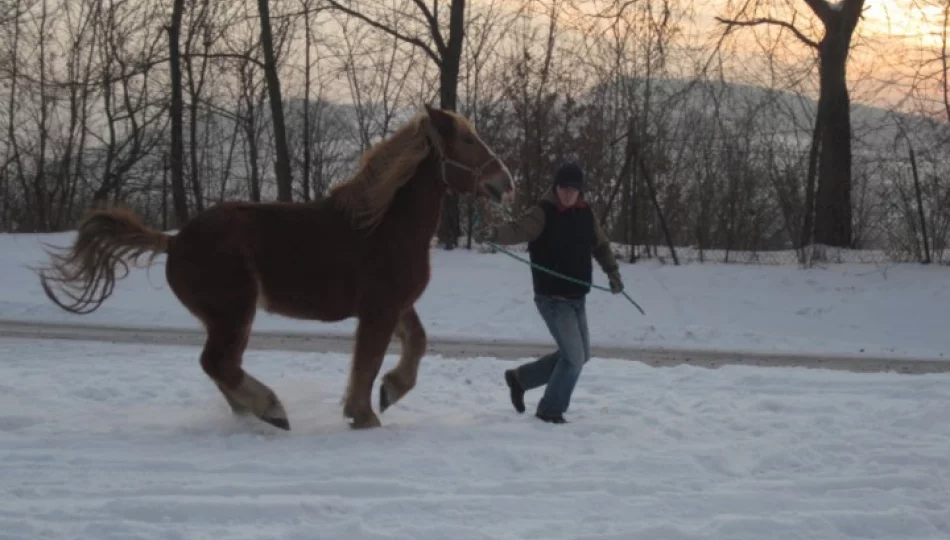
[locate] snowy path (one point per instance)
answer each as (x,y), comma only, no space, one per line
(860,310)
(475,347)
(101,441)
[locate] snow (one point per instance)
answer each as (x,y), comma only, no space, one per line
(133,442)
(895,310)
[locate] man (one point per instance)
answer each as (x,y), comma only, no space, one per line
(562,234)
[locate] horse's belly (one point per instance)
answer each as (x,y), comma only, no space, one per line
(329,304)
(302,310)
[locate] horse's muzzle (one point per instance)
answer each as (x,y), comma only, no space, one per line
(500,188)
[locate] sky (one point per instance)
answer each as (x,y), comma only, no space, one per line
(886,52)
(887,47)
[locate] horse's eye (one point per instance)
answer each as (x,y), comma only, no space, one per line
(468,139)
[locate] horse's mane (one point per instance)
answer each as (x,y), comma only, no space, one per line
(383,169)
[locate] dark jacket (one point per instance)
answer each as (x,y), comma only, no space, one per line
(561,239)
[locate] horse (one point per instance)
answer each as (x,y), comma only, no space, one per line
(363,251)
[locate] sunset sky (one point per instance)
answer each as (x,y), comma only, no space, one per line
(892,41)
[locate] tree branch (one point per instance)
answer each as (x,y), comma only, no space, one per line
(139,68)
(820,8)
(394,33)
(226,56)
(757,22)
(433,25)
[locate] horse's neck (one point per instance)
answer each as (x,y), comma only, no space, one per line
(419,203)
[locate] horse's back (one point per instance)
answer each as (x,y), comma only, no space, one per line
(302,260)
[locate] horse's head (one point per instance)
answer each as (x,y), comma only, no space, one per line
(468,165)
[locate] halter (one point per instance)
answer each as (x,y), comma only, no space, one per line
(476,171)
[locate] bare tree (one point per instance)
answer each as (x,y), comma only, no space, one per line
(249,115)
(487,25)
(307,125)
(931,76)
(282,163)
(132,116)
(425,31)
(13,161)
(86,115)
(378,71)
(176,153)
(833,219)
(541,97)
(199,30)
(324,129)
(627,46)
(37,184)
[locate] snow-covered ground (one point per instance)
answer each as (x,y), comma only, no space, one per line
(128,442)
(894,310)
(102,441)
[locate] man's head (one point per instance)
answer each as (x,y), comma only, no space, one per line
(568,183)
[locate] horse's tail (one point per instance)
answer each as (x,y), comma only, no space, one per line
(107,241)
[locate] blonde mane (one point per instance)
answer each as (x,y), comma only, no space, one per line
(384,168)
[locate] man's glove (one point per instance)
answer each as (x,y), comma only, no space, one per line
(616,284)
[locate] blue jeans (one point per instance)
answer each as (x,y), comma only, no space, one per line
(566,319)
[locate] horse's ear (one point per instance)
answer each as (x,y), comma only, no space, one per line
(443,122)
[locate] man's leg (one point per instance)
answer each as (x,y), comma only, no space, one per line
(581,307)
(565,326)
(528,376)
(538,372)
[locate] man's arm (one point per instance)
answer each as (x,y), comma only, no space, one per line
(525,229)
(602,252)
(605,257)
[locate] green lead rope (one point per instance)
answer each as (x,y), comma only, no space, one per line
(554,273)
(562,276)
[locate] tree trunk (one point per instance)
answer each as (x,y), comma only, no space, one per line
(12,143)
(165,191)
(42,198)
(808,217)
(450,224)
(920,201)
(945,59)
(833,197)
(194,88)
(306,106)
(176,155)
(651,191)
(252,157)
(282,165)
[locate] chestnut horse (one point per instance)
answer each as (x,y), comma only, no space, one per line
(361,252)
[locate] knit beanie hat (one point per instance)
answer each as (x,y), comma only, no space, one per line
(570,175)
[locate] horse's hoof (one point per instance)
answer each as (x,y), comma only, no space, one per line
(366,423)
(384,402)
(281,423)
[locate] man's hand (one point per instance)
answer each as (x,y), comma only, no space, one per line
(616,284)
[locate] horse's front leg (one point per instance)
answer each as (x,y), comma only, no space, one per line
(402,378)
(373,333)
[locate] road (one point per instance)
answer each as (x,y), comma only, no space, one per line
(458,348)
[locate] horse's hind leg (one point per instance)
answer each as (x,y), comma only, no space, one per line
(373,333)
(221,360)
(402,378)
(236,407)
(218,287)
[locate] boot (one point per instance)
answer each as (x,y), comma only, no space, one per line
(552,419)
(517,392)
